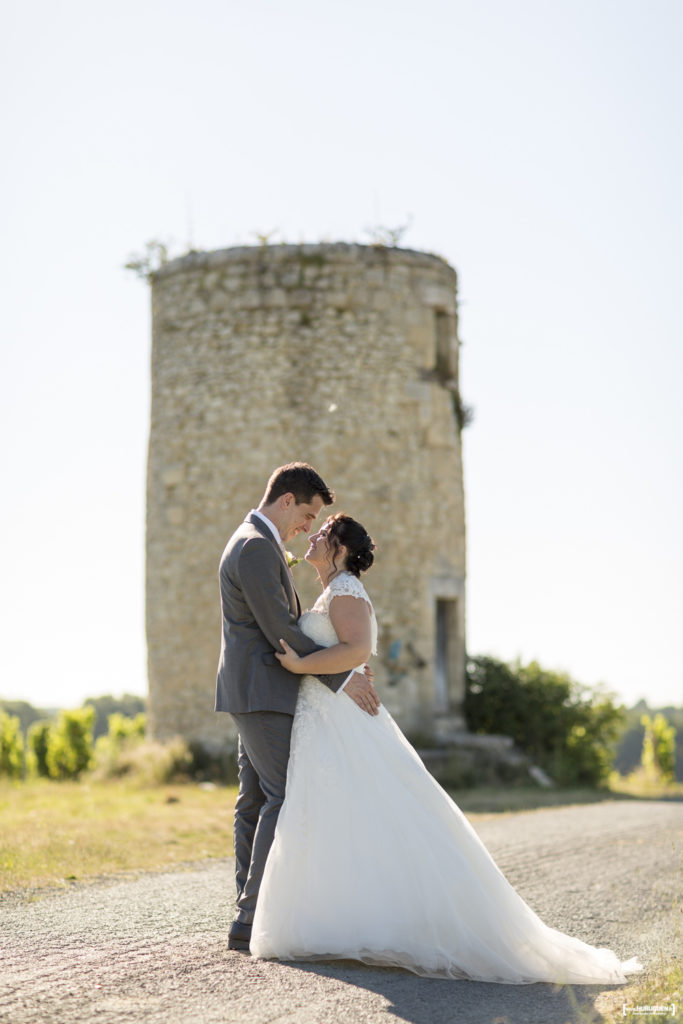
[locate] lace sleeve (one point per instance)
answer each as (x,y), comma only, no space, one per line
(348,585)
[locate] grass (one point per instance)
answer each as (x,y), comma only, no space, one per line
(640,786)
(501,800)
(504,800)
(508,799)
(659,987)
(54,833)
(57,832)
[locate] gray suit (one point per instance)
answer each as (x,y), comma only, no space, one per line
(259,605)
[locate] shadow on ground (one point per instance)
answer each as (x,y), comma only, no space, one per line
(416,1000)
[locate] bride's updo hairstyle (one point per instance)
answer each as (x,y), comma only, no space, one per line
(342,529)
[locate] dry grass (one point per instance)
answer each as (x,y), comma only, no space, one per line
(55,832)
(637,784)
(508,799)
(486,800)
(661,987)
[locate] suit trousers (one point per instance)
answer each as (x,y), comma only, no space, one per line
(262,758)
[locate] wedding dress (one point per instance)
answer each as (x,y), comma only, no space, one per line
(373,861)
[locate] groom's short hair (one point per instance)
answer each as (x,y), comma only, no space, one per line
(299,479)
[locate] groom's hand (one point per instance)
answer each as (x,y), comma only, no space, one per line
(365,696)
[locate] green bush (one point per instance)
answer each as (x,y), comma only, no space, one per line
(128,705)
(11,746)
(70,745)
(123,729)
(125,751)
(214,766)
(147,762)
(25,712)
(659,748)
(564,727)
(37,739)
(123,733)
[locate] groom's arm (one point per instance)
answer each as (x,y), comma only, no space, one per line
(259,575)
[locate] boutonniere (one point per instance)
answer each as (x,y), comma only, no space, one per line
(292,560)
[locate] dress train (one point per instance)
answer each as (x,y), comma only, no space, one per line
(373,861)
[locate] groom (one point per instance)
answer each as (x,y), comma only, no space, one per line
(259,605)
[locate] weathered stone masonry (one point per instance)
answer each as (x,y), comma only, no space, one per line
(344,356)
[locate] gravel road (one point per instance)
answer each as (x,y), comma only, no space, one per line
(151,949)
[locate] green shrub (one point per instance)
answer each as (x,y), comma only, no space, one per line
(123,733)
(215,766)
(70,746)
(146,762)
(25,712)
(122,728)
(124,751)
(128,705)
(37,739)
(564,727)
(629,753)
(659,748)
(11,746)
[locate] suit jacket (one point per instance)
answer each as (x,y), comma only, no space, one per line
(259,604)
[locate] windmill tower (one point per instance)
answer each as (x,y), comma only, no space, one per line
(344,356)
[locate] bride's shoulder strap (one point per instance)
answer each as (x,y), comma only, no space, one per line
(347,584)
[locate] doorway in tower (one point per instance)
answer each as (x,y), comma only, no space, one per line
(446,660)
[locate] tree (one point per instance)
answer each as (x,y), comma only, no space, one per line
(564,727)
(70,744)
(129,705)
(113,749)
(123,728)
(659,745)
(11,746)
(37,741)
(25,712)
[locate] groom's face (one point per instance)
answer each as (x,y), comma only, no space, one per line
(299,518)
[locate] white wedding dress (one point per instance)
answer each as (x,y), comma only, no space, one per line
(373,861)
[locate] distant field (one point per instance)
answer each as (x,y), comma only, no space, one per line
(56,832)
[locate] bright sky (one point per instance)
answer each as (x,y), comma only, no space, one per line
(536,145)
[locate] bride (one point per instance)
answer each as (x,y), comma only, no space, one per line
(371,859)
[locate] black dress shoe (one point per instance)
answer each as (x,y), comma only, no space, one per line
(239,936)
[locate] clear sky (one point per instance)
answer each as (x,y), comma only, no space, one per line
(536,145)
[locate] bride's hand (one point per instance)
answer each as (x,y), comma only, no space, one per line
(290,659)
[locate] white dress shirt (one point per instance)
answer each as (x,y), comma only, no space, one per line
(276,533)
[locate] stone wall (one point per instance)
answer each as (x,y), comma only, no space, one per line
(344,356)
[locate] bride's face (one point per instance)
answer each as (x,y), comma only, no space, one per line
(321,552)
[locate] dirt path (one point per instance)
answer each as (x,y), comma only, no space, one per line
(152,949)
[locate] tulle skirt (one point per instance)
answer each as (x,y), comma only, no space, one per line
(373,861)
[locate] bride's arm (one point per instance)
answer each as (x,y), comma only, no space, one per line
(350,617)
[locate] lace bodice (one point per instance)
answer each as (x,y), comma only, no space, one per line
(316,701)
(317,623)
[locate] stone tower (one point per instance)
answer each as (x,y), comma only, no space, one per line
(344,356)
